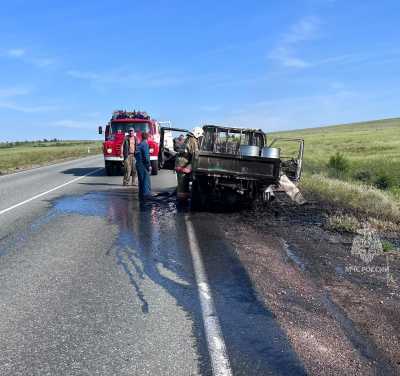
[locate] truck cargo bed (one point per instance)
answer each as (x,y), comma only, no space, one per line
(219,164)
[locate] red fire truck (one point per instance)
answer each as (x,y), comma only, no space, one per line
(118,127)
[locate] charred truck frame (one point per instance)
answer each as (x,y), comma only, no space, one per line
(236,165)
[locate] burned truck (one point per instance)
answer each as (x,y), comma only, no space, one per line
(239,165)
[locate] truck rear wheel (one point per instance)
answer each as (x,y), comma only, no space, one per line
(109,169)
(197,197)
(154,167)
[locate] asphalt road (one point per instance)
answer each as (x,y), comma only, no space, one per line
(92,282)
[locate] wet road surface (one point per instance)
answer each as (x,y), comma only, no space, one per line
(92,282)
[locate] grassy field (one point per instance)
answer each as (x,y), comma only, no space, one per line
(28,154)
(355,165)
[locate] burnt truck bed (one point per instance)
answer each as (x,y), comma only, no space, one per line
(237,166)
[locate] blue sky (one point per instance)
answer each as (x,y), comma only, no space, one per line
(64,66)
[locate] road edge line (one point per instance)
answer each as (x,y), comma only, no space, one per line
(49,191)
(215,341)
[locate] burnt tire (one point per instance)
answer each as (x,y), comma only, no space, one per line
(154,167)
(197,197)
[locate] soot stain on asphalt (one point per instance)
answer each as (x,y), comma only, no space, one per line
(152,235)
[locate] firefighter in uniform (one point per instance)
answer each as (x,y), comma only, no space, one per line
(128,152)
(183,163)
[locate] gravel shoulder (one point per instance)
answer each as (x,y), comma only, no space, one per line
(341,314)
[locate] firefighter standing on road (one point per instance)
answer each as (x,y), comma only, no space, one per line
(143,168)
(128,151)
(179,143)
(183,165)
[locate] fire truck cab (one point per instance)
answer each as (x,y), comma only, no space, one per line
(115,132)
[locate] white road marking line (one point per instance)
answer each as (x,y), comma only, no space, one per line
(49,191)
(215,340)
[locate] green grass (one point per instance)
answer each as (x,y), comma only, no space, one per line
(371,148)
(364,201)
(354,165)
(388,246)
(28,154)
(343,223)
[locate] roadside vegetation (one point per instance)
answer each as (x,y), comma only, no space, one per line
(354,167)
(26,154)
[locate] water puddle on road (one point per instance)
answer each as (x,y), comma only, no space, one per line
(151,234)
(151,248)
(92,204)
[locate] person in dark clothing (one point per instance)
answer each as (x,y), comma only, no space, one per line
(143,167)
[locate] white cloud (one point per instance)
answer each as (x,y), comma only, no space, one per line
(41,62)
(23,55)
(210,108)
(77,124)
(158,81)
(286,51)
(337,107)
(8,102)
(83,75)
(285,56)
(123,77)
(307,29)
(336,85)
(294,62)
(16,52)
(8,105)
(304,30)
(13,92)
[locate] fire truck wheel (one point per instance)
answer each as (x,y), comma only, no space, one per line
(154,167)
(109,169)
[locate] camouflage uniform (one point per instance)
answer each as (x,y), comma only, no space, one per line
(183,166)
(128,151)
